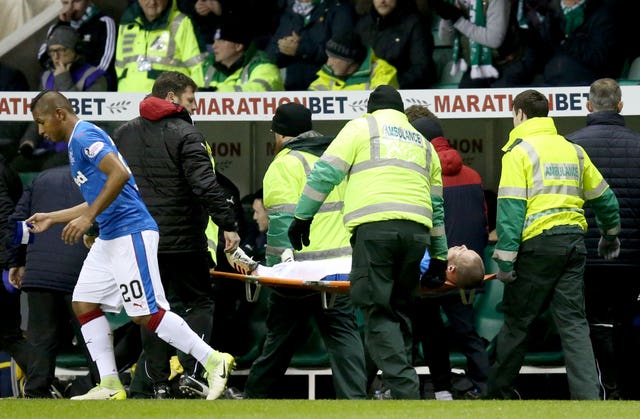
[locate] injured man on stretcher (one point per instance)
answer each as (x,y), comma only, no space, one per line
(465,268)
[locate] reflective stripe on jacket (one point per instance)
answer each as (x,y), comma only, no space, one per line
(282,185)
(545,182)
(394,174)
(146,50)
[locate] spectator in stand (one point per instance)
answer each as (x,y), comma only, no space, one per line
(47,270)
(11,80)
(236,65)
(592,45)
(615,150)
(154,37)
(352,66)
(298,44)
(397,34)
(465,225)
(97,31)
(68,71)
(259,18)
(475,32)
(11,338)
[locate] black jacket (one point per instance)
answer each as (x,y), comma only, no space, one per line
(173,170)
(10,191)
(50,263)
(404,41)
(329,18)
(615,151)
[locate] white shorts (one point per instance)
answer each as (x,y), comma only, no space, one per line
(307,269)
(123,272)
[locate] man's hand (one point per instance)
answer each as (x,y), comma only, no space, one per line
(299,233)
(75,229)
(506,277)
(436,275)
(40,222)
(609,249)
(231,241)
(16,274)
(289,44)
(446,10)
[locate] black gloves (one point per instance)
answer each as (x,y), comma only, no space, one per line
(299,233)
(26,149)
(446,10)
(435,275)
(609,249)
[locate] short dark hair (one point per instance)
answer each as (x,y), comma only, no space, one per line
(414,112)
(50,98)
(605,95)
(172,81)
(532,103)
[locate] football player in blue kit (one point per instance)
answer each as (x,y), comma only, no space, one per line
(121,268)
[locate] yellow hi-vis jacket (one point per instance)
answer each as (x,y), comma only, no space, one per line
(282,185)
(144,50)
(393,174)
(545,182)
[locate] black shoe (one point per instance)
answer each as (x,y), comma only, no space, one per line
(473,394)
(161,391)
(190,386)
(233,394)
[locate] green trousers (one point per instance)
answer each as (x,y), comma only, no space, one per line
(550,270)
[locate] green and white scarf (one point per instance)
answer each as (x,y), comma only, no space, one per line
(573,16)
(480,55)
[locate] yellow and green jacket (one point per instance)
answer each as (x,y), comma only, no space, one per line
(282,186)
(254,72)
(372,73)
(393,174)
(545,182)
(144,49)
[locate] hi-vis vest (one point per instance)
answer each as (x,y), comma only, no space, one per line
(283,183)
(372,73)
(143,54)
(554,176)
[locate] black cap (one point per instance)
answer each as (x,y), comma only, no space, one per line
(291,119)
(428,127)
(347,47)
(233,31)
(385,97)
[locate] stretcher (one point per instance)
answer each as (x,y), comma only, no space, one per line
(253,284)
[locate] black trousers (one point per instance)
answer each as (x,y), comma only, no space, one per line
(430,330)
(51,327)
(384,278)
(11,339)
(611,302)
(288,328)
(187,286)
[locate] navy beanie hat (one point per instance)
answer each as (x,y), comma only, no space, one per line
(428,127)
(291,119)
(385,97)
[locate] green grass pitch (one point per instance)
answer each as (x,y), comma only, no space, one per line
(174,409)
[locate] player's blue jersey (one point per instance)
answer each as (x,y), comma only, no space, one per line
(127,213)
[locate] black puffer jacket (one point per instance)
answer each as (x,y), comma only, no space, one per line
(50,263)
(173,170)
(615,151)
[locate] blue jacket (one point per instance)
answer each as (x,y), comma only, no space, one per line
(615,150)
(50,264)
